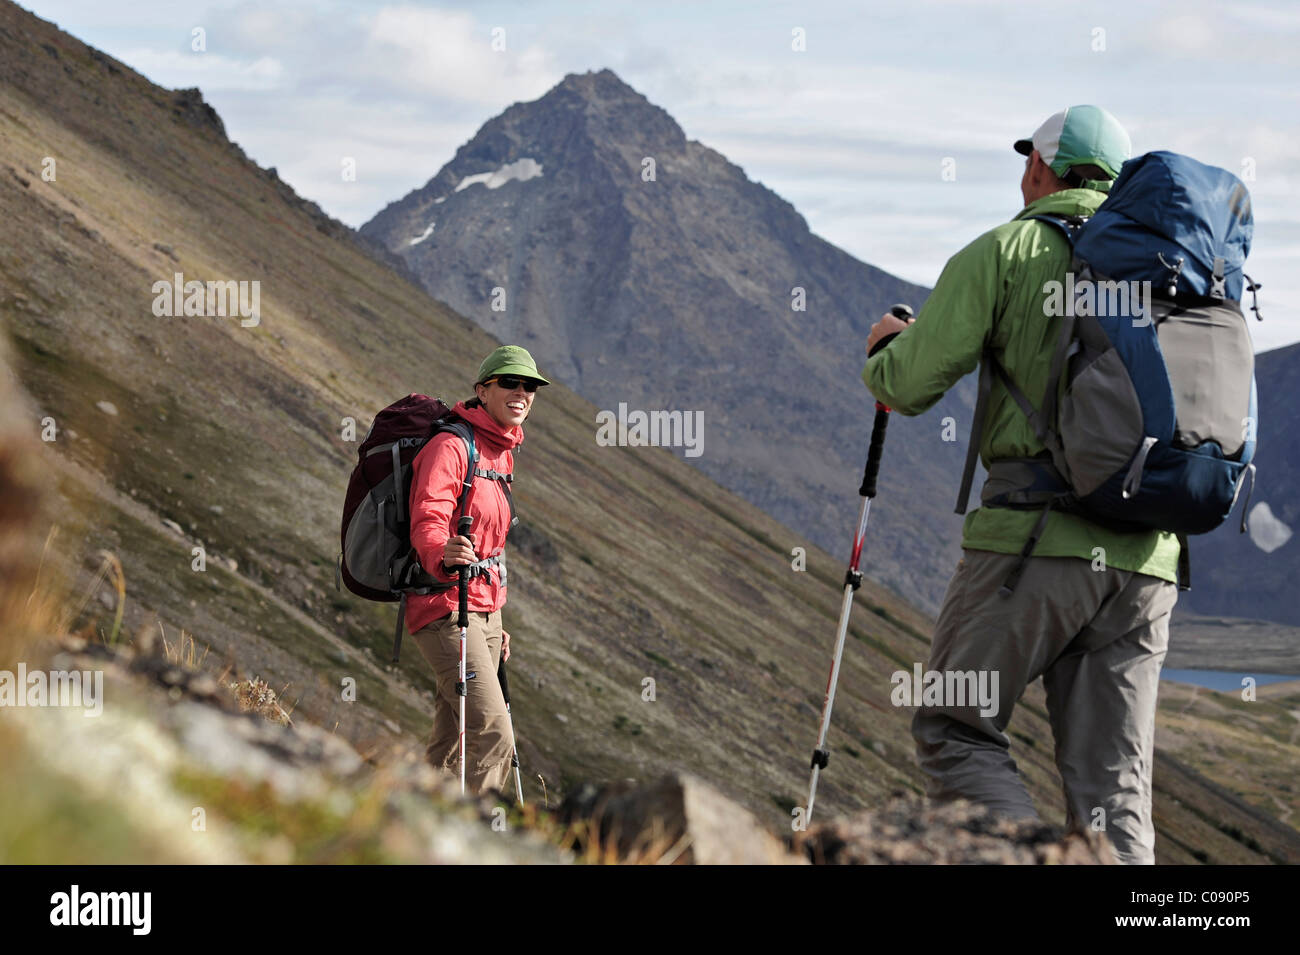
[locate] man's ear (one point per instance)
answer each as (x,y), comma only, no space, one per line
(1044,175)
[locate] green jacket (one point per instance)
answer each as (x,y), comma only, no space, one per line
(991,294)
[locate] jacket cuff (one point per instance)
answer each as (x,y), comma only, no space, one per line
(440,572)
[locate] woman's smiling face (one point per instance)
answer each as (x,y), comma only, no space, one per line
(506,399)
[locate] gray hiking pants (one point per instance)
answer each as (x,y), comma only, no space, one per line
(1098,639)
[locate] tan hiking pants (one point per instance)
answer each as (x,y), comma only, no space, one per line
(1098,639)
(488,742)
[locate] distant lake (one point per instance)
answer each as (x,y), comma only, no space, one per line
(1221,679)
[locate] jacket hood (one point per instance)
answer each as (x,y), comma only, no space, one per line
(487,432)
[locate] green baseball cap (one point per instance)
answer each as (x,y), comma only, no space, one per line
(509,360)
(1080,136)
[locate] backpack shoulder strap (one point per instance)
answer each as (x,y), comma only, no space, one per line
(976,430)
(1068,226)
(463,430)
(1040,421)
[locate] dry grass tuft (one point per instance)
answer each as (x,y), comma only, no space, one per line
(184,652)
(256,696)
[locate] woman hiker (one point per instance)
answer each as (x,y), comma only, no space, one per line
(504,390)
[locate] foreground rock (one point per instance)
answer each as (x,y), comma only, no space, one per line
(676,820)
(906,832)
(171,771)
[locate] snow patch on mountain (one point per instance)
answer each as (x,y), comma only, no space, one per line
(1266,531)
(423,235)
(521,169)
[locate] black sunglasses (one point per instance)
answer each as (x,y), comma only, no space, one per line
(510,384)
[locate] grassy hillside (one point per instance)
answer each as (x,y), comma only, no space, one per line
(631,564)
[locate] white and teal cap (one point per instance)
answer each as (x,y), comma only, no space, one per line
(1080,136)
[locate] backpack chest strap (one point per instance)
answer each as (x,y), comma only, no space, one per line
(505,480)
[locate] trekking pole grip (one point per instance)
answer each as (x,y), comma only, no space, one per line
(462,619)
(878,427)
(877,446)
(504,681)
(899,311)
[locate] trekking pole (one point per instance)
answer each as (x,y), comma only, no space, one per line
(852,577)
(514,752)
(462,620)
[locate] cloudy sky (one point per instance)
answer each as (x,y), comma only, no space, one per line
(854,130)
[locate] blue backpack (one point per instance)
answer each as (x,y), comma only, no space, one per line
(1149,416)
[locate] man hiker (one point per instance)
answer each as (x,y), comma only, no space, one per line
(1089,611)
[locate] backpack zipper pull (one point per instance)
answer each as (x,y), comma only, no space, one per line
(1133,480)
(1176,268)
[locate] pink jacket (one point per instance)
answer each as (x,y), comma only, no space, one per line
(436,478)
